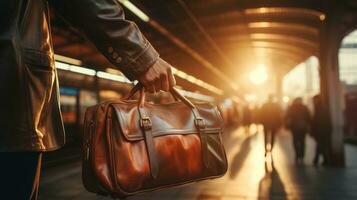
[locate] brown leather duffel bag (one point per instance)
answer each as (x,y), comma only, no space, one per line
(132,146)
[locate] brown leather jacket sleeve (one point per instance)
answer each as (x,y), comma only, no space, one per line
(103,23)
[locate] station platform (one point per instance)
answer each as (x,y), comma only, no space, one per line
(250,175)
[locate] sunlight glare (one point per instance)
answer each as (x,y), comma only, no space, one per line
(286,99)
(259,75)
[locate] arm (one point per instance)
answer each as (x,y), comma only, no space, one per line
(119,40)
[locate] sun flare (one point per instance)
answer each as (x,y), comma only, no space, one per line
(259,75)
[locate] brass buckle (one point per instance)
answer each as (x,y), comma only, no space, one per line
(200,123)
(145,123)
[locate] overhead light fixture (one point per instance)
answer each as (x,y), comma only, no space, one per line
(68,60)
(112,77)
(196,81)
(82,70)
(61,65)
(180,74)
(197,96)
(283,11)
(191,79)
(322,17)
(130,6)
(113,71)
(74,68)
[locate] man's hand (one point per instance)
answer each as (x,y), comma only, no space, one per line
(158,77)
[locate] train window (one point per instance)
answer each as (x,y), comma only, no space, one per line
(86,99)
(109,95)
(68,102)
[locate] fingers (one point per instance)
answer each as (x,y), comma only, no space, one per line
(168,81)
(164,83)
(148,84)
(150,88)
(157,84)
(158,77)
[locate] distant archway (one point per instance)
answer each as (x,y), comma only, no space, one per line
(348,60)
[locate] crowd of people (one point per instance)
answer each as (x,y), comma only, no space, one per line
(298,119)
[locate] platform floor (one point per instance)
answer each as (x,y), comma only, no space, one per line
(249,177)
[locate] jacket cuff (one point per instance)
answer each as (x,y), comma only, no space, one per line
(134,66)
(142,62)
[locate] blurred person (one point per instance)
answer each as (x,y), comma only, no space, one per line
(320,129)
(255,115)
(30,117)
(235,116)
(270,117)
(246,118)
(298,121)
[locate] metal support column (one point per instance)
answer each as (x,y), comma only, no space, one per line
(331,90)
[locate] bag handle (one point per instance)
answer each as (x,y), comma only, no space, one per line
(174,92)
(146,126)
(199,122)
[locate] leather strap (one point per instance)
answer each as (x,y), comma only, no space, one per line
(201,127)
(146,127)
(134,90)
(177,94)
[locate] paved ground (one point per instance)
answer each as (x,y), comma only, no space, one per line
(250,176)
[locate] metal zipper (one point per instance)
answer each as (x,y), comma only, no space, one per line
(87,143)
(91,127)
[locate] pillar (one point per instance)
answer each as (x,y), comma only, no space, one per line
(331,89)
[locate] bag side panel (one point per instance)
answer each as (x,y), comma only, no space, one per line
(179,157)
(99,150)
(96,174)
(89,179)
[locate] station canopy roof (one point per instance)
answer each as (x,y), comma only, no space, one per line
(217,40)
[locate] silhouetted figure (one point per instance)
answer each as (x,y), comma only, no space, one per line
(270,116)
(298,121)
(247,118)
(320,129)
